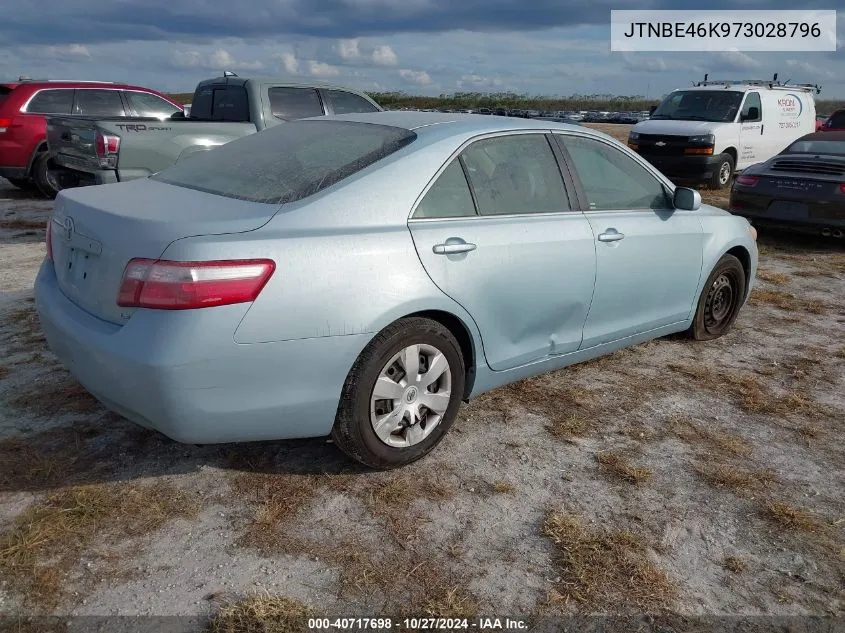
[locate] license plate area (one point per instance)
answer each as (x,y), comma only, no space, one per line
(788,210)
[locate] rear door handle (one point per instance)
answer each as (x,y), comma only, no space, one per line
(611,235)
(450,248)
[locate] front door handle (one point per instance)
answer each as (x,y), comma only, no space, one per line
(450,248)
(611,235)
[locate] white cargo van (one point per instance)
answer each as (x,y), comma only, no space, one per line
(707,132)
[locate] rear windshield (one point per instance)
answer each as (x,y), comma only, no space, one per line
(816,147)
(220,103)
(289,162)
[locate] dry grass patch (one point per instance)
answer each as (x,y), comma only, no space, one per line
(25,330)
(787,301)
(619,466)
(790,517)
(692,432)
(263,613)
(501,487)
(391,499)
(772,277)
(606,569)
(22,224)
(566,426)
(47,540)
(749,393)
(737,479)
(4,372)
(60,394)
(734,564)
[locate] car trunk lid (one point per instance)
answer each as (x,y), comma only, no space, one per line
(97,230)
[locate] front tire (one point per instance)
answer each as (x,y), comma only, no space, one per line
(402,394)
(720,300)
(721,177)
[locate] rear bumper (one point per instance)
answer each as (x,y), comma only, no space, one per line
(86,176)
(181,373)
(685,167)
(813,218)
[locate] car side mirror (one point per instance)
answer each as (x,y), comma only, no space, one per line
(178,115)
(686,199)
(753,114)
(652,109)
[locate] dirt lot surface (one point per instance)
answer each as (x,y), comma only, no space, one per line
(673,477)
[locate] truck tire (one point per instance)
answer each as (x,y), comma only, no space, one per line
(723,173)
(50,178)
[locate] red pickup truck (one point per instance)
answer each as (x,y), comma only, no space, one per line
(25,104)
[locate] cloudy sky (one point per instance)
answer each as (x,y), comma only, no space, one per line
(552,47)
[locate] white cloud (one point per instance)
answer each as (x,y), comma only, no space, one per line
(71,50)
(220,59)
(289,62)
(807,67)
(736,60)
(478,81)
(321,69)
(348,49)
(384,56)
(419,77)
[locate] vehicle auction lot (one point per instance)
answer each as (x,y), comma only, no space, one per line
(699,478)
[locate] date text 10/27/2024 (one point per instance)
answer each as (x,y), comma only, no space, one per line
(417,624)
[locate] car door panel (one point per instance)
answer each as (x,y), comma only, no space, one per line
(527,283)
(648,260)
(526,277)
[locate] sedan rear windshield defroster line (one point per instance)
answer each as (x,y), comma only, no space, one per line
(288,162)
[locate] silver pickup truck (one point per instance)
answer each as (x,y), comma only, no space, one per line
(94,151)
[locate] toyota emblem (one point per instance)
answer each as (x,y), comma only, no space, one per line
(67,224)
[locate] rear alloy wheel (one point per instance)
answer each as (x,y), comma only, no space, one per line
(720,300)
(724,172)
(402,394)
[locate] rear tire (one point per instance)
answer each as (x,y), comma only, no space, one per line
(22,183)
(50,178)
(402,358)
(720,300)
(721,177)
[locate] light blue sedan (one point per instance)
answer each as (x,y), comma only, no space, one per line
(361,275)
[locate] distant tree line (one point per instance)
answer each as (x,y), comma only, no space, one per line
(511,100)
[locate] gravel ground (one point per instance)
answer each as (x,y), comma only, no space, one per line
(689,478)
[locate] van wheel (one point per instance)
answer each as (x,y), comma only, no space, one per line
(50,178)
(721,177)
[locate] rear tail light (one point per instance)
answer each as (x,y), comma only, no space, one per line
(842,187)
(108,147)
(5,124)
(168,285)
(49,239)
(748,181)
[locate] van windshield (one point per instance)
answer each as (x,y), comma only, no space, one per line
(700,105)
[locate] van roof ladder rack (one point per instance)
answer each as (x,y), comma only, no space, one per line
(770,83)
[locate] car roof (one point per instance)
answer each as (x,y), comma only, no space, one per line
(234,80)
(445,124)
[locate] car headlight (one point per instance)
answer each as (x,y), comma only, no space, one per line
(702,139)
(634,136)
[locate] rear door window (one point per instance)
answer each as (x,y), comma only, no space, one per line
(289,104)
(221,103)
(51,102)
(150,105)
(94,102)
(343,102)
(4,90)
